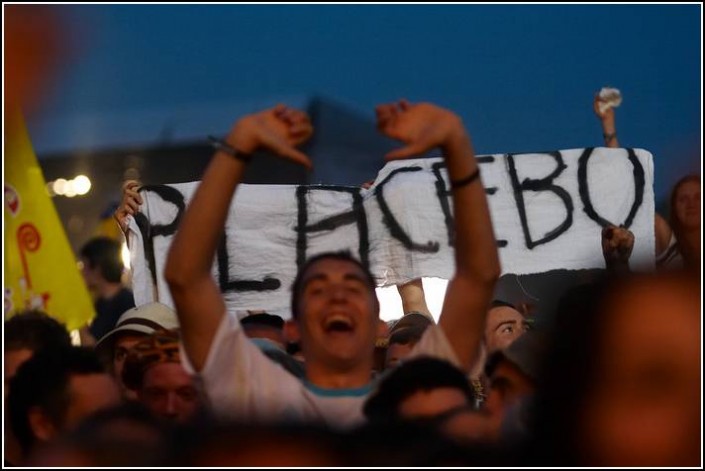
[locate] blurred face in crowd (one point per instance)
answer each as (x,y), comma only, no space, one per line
(503,326)
(507,385)
(169,392)
(91,276)
(255,451)
(123,343)
(85,395)
(688,204)
(12,360)
(431,403)
(470,426)
(89,394)
(397,352)
(644,408)
(338,315)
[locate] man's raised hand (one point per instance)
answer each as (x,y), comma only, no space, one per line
(421,126)
(280,129)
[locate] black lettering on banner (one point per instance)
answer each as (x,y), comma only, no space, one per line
(391,222)
(226,284)
(443,193)
(488,159)
(543,184)
(355,216)
(584,190)
(149,230)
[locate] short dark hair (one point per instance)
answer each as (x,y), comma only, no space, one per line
(43,381)
(263,319)
(34,330)
(103,440)
(104,253)
(344,256)
(418,374)
(500,303)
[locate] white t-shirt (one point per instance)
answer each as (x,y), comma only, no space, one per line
(242,383)
(670,258)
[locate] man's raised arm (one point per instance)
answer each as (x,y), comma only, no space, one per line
(198,300)
(424,126)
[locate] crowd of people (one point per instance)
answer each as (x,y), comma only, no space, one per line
(613,381)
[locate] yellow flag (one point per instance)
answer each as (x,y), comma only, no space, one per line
(40,267)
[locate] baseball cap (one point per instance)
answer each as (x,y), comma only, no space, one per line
(412,319)
(144,319)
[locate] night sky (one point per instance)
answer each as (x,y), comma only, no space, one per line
(521,76)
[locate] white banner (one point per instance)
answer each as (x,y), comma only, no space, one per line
(547,211)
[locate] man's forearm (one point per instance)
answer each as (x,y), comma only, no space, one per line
(476,248)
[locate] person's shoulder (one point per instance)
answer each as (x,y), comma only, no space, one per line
(125,297)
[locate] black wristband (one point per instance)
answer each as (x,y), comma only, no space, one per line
(223,146)
(455,184)
(609,137)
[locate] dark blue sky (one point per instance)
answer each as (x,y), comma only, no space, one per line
(521,76)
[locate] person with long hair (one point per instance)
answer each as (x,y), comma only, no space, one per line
(683,250)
